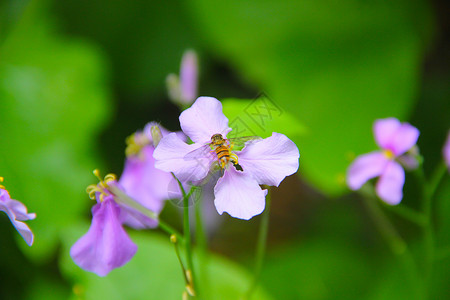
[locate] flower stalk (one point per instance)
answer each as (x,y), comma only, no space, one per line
(187,238)
(260,247)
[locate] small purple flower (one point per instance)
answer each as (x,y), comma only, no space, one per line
(395,139)
(106,245)
(17,212)
(141,180)
(266,161)
(184,89)
(446,151)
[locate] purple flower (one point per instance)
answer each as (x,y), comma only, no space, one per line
(395,139)
(184,89)
(266,161)
(17,212)
(446,151)
(141,180)
(106,245)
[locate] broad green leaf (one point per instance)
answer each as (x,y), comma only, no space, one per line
(335,66)
(53,94)
(259,117)
(153,273)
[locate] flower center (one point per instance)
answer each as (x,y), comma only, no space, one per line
(101,187)
(389,154)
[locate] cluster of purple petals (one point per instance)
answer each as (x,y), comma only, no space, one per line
(266,162)
(106,245)
(394,139)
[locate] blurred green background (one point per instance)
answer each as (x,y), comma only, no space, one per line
(78,76)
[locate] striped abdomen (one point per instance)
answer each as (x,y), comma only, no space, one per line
(223,155)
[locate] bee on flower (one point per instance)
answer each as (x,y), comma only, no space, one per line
(237,192)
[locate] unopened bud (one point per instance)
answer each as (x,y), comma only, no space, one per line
(188,77)
(156,135)
(190,290)
(185,296)
(173,87)
(173,239)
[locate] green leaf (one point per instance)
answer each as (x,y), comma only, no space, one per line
(53,94)
(259,117)
(335,66)
(153,273)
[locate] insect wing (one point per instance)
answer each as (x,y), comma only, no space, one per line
(201,152)
(240,142)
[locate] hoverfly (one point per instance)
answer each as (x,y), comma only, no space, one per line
(221,148)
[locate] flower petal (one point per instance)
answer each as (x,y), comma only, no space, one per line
(239,195)
(20,210)
(395,136)
(106,245)
(171,154)
(143,182)
(270,160)
(390,184)
(17,212)
(204,119)
(404,139)
(188,77)
(365,167)
(384,131)
(21,227)
(135,219)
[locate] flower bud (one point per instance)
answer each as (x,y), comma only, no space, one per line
(156,135)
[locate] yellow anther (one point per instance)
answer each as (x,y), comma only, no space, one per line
(110,177)
(389,154)
(101,187)
(96,173)
(2,186)
(135,143)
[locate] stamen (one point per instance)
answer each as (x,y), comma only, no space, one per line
(2,186)
(135,143)
(101,187)
(389,154)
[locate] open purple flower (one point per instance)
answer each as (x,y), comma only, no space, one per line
(141,180)
(266,161)
(395,139)
(183,90)
(446,151)
(106,245)
(17,212)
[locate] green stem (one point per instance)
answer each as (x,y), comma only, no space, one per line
(436,179)
(260,247)
(428,191)
(396,244)
(408,213)
(201,242)
(428,239)
(187,233)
